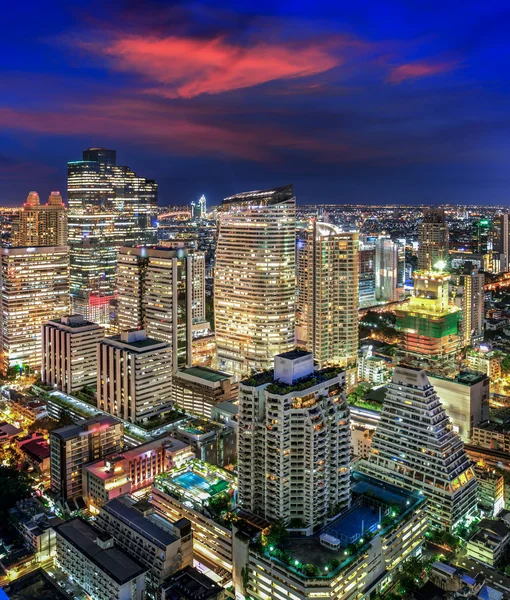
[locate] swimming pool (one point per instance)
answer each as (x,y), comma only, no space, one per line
(191,480)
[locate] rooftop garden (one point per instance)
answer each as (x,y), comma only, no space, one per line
(304,383)
(166,418)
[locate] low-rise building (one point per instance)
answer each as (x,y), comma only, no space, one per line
(372,369)
(361,440)
(452,579)
(198,390)
(212,442)
(161,546)
(93,560)
(37,452)
(191,584)
(491,490)
(488,543)
(488,363)
(492,436)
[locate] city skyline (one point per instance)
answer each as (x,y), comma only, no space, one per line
(378,104)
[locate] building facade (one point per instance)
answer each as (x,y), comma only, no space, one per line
(69,353)
(327,305)
(433,240)
(35,289)
(414,448)
(41,224)
(109,207)
(255,279)
(294,442)
(134,376)
(389,270)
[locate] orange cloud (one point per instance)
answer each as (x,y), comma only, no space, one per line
(187,67)
(418,70)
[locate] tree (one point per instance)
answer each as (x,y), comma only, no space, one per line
(505,365)
(275,533)
(15,485)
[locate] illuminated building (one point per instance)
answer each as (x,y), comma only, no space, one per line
(69,355)
(109,207)
(35,289)
(366,271)
(469,294)
(327,304)
(482,242)
(430,321)
(162,291)
(197,390)
(75,445)
(294,442)
(414,448)
(42,224)
(501,239)
(134,376)
(389,270)
(131,470)
(255,279)
(432,239)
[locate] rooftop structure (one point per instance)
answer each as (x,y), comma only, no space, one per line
(191,584)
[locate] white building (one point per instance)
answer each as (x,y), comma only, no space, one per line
(134,377)
(294,442)
(69,353)
(371,368)
(414,448)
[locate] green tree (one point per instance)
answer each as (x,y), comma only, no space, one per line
(505,365)
(15,485)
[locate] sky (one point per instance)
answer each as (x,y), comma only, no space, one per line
(366,101)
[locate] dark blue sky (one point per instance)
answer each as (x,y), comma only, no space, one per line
(366,101)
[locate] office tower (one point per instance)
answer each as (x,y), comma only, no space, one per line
(162,291)
(327,302)
(501,238)
(109,206)
(198,390)
(134,376)
(366,271)
(432,239)
(465,399)
(414,448)
(294,442)
(482,242)
(389,270)
(255,279)
(42,224)
(430,321)
(35,289)
(73,446)
(202,203)
(93,560)
(159,545)
(69,353)
(469,296)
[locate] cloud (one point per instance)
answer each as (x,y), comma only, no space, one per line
(418,70)
(186,67)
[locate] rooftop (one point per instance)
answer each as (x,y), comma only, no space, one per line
(192,585)
(272,196)
(140,345)
(205,373)
(89,426)
(464,377)
(116,563)
(294,354)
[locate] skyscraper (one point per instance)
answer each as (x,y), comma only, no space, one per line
(35,289)
(162,291)
(366,271)
(109,206)
(41,224)
(501,238)
(415,449)
(389,271)
(255,279)
(469,296)
(432,239)
(482,242)
(327,301)
(294,443)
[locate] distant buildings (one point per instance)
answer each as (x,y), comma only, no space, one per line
(109,207)
(327,304)
(73,446)
(134,376)
(41,224)
(501,239)
(413,448)
(162,291)
(299,408)
(35,289)
(433,240)
(255,279)
(482,242)
(69,353)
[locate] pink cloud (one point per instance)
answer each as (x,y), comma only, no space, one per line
(187,67)
(418,70)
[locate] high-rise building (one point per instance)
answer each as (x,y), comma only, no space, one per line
(294,442)
(469,295)
(162,291)
(482,242)
(327,301)
(389,270)
(69,353)
(430,321)
(366,271)
(41,224)
(415,449)
(109,206)
(134,376)
(255,279)
(73,446)
(432,240)
(35,289)
(501,239)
